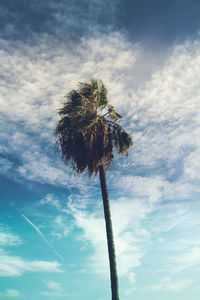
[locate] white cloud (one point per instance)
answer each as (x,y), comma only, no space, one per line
(38,167)
(54,285)
(12,293)
(16,266)
(165,114)
(54,294)
(167,284)
(35,79)
(162,116)
(60,226)
(173,228)
(9,239)
(56,290)
(154,188)
(5,165)
(139,226)
(132,277)
(49,199)
(191,165)
(140,186)
(185,259)
(184,244)
(130,237)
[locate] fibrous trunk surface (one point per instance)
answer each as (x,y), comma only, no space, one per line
(110,237)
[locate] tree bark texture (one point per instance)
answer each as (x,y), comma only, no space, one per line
(110,237)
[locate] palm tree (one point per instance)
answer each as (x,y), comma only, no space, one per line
(87,133)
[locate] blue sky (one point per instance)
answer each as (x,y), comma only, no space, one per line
(52,233)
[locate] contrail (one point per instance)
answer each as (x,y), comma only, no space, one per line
(43,237)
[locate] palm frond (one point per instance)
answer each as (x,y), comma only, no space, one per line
(86,137)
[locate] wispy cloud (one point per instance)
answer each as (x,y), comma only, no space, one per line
(8,238)
(165,113)
(12,293)
(82,18)
(55,290)
(43,237)
(159,115)
(53,285)
(129,242)
(167,284)
(50,200)
(154,188)
(36,115)
(61,228)
(55,294)
(6,165)
(162,116)
(185,259)
(16,266)
(140,226)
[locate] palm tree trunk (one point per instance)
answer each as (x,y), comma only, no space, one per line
(110,237)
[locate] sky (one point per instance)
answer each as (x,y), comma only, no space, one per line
(52,232)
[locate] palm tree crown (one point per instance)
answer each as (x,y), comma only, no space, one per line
(88,132)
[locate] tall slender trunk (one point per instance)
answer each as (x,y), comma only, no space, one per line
(110,237)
